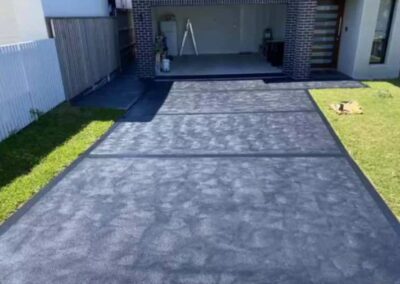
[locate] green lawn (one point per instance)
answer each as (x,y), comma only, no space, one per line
(33,157)
(373,138)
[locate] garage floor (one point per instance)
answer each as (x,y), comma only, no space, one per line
(209,182)
(220,64)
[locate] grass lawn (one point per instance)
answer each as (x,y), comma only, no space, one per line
(373,138)
(33,157)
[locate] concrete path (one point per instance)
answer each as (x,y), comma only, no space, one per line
(121,93)
(209,182)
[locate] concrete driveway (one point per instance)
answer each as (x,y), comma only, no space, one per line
(209,182)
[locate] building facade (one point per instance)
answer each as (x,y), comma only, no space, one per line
(344,35)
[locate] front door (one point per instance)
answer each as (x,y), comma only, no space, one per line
(328,22)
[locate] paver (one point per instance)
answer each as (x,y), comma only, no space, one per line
(207,192)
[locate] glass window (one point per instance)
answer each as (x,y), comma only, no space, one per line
(382,31)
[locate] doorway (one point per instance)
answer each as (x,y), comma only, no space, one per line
(230,39)
(327,32)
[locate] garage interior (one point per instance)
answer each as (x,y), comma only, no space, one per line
(231,40)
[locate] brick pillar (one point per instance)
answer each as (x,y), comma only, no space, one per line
(142,16)
(290,33)
(299,36)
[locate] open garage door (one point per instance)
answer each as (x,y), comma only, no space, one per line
(230,39)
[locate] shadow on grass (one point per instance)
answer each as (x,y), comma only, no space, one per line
(20,153)
(395,82)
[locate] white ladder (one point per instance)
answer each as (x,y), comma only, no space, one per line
(189,29)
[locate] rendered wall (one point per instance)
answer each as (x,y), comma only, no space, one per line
(8,23)
(356,44)
(349,39)
(21,20)
(75,8)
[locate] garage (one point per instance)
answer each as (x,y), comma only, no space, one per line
(242,40)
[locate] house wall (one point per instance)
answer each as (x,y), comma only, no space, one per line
(75,8)
(8,23)
(356,44)
(349,39)
(226,29)
(21,20)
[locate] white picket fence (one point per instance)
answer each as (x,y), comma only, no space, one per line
(30,83)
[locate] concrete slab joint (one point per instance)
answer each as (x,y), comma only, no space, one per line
(298,38)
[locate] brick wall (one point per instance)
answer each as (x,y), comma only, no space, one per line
(298,38)
(300,30)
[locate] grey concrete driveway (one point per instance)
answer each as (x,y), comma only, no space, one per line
(209,182)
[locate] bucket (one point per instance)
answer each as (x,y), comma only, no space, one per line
(166,65)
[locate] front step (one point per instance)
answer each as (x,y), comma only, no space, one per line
(273,77)
(249,85)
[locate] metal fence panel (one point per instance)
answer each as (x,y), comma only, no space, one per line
(30,83)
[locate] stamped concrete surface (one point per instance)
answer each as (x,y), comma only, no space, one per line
(249,133)
(225,122)
(260,85)
(233,196)
(195,102)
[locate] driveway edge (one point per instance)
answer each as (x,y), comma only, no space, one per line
(21,211)
(389,215)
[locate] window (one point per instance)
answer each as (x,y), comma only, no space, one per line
(382,31)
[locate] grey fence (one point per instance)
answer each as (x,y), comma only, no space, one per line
(88,50)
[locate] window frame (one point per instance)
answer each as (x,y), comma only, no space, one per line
(387,35)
